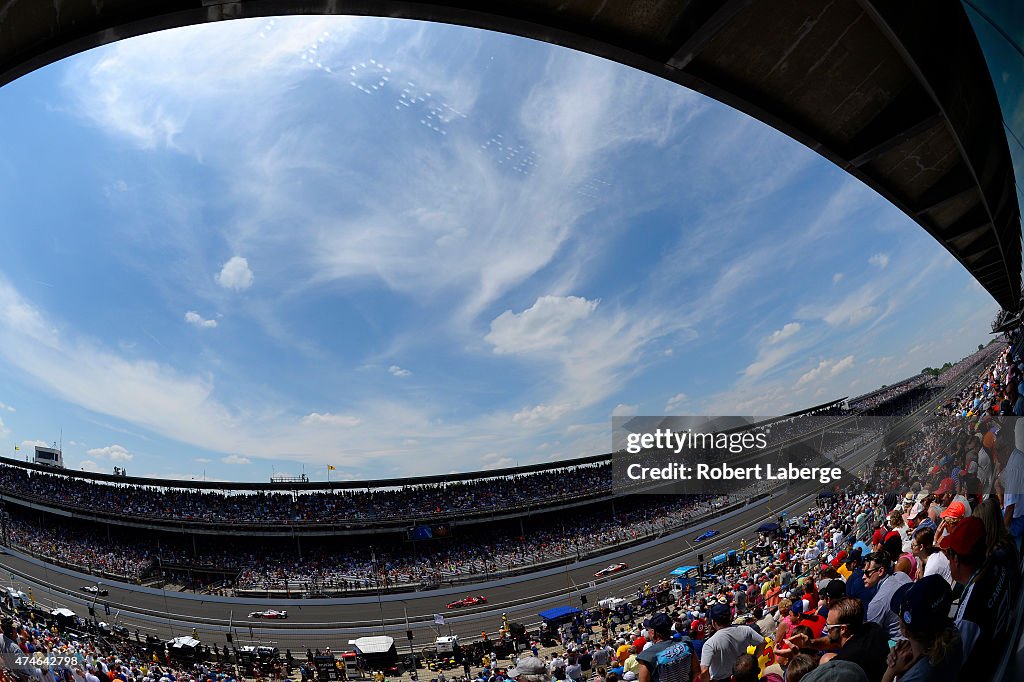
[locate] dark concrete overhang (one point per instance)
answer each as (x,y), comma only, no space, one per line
(896,92)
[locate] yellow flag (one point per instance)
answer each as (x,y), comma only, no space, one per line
(16,447)
(330,468)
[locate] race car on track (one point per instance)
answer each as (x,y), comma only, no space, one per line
(269,613)
(468,601)
(614,568)
(94,590)
(706,535)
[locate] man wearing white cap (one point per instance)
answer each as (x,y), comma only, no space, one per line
(529,669)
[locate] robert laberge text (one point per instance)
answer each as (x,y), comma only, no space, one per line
(725,472)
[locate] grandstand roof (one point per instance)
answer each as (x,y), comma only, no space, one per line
(869,85)
(290,486)
(299,485)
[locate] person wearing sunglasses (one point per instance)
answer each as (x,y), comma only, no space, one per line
(878,574)
(848,637)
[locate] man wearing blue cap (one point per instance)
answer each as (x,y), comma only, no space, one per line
(726,644)
(931,648)
(666,660)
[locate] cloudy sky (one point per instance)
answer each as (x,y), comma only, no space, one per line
(404,248)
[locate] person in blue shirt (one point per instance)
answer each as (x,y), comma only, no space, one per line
(855,583)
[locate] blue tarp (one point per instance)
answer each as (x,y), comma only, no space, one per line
(683,570)
(559,612)
(767,528)
(720,559)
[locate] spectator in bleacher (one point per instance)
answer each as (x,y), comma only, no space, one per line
(666,659)
(1010,481)
(849,638)
(988,576)
(991,515)
(931,647)
(529,669)
(930,559)
(878,574)
(726,644)
(831,594)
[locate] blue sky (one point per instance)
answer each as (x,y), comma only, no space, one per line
(405,248)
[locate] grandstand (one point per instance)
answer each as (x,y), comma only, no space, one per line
(301,537)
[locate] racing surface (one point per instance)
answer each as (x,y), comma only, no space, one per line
(318,623)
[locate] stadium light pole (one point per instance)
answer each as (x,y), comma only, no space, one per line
(3,519)
(408,631)
(163,589)
(376,580)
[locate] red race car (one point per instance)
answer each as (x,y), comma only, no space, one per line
(468,601)
(614,568)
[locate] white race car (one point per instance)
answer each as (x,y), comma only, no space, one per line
(614,568)
(269,613)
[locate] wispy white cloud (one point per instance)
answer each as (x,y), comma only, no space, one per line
(113,453)
(543,327)
(236,460)
(344,420)
(9,408)
(495,461)
(675,402)
(622,410)
(541,414)
(768,358)
(788,330)
(826,368)
(197,320)
(777,350)
(879,260)
(396,371)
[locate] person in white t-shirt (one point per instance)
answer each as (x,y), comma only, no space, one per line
(929,556)
(1010,486)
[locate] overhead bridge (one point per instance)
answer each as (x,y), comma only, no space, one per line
(895,92)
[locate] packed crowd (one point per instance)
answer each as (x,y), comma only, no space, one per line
(498,553)
(358,566)
(83,548)
(311,507)
(32,652)
(870,401)
(913,575)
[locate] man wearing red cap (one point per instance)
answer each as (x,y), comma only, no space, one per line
(943,496)
(989,578)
